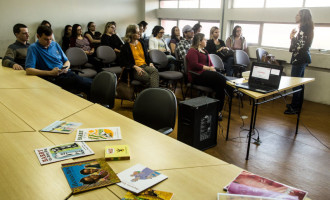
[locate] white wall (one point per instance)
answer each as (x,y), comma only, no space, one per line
(62,12)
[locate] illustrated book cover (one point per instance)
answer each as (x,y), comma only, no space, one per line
(117,152)
(62,127)
(97,134)
(89,174)
(138,178)
(62,152)
(226,196)
(247,183)
(149,194)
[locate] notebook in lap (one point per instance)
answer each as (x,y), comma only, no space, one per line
(264,78)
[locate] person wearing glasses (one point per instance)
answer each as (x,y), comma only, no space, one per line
(93,36)
(110,38)
(236,41)
(134,57)
(157,42)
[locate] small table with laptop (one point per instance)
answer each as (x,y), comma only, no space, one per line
(265,80)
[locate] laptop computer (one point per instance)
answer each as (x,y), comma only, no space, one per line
(264,78)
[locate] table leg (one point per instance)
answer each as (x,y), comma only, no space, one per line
(251,128)
(229,114)
(300,106)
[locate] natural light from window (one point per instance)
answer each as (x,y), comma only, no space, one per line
(188,3)
(169,4)
(182,23)
(317,3)
(206,27)
(248,3)
(277,35)
(210,3)
(283,3)
(250,32)
(321,38)
(168,25)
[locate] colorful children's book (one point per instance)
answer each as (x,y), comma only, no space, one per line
(89,174)
(62,152)
(149,194)
(138,178)
(117,152)
(62,127)
(247,183)
(226,196)
(97,134)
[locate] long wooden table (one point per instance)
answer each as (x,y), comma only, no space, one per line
(285,84)
(28,104)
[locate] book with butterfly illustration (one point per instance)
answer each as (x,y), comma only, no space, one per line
(139,178)
(98,134)
(89,174)
(61,127)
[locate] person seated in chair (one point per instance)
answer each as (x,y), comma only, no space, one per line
(93,36)
(184,44)
(46,59)
(215,46)
(157,42)
(66,37)
(236,41)
(175,39)
(134,57)
(198,61)
(16,52)
(110,38)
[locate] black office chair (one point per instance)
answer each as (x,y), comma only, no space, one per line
(160,61)
(107,56)
(78,60)
(156,108)
(241,62)
(191,85)
(103,89)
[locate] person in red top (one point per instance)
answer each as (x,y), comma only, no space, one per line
(198,61)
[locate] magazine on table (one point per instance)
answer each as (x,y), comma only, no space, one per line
(138,178)
(62,127)
(247,183)
(89,174)
(149,194)
(62,152)
(98,134)
(226,196)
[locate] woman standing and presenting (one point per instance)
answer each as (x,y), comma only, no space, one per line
(236,41)
(198,61)
(134,57)
(301,57)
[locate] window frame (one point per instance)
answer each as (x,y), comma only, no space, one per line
(199,5)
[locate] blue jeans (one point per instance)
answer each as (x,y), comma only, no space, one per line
(297,71)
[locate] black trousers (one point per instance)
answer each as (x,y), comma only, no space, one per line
(71,82)
(213,80)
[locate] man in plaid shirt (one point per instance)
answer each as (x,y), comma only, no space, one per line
(184,45)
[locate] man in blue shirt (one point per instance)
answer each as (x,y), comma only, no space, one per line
(46,59)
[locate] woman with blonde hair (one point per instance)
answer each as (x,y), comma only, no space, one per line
(134,57)
(110,38)
(216,46)
(198,61)
(301,57)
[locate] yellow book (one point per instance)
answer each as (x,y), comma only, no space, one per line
(117,152)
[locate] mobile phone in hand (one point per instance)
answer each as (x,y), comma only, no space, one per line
(64,67)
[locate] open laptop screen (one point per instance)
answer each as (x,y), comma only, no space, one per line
(265,74)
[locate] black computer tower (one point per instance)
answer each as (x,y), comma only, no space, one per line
(198,122)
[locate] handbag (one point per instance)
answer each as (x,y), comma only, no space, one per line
(270,59)
(124,89)
(226,53)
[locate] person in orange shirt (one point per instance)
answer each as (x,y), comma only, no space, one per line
(134,57)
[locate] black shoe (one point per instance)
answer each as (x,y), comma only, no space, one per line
(290,111)
(220,117)
(288,105)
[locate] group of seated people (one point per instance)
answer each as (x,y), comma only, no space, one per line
(45,57)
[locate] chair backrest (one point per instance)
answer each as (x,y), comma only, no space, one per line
(158,58)
(260,52)
(155,108)
(217,62)
(103,89)
(241,58)
(106,54)
(76,56)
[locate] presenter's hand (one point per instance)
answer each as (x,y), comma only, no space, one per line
(293,33)
(17,67)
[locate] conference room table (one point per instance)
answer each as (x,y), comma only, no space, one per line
(31,104)
(287,83)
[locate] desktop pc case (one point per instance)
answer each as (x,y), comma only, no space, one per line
(198,122)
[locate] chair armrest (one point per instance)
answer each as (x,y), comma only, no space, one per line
(77,71)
